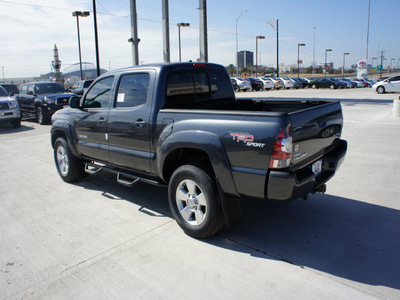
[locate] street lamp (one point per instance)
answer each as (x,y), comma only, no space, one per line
(78,14)
(298,58)
(326,51)
(237,56)
(259,37)
(179,35)
(344,54)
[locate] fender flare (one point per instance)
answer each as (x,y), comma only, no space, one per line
(211,144)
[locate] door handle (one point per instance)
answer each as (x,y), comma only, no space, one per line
(101,121)
(140,123)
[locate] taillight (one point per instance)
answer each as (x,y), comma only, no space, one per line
(282,152)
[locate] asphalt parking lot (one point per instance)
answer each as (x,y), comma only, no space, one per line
(97,239)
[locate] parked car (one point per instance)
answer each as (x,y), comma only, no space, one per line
(11,89)
(180,125)
(288,83)
(298,83)
(389,85)
(9,109)
(80,87)
(278,83)
(324,83)
(268,83)
(256,84)
(351,83)
(42,99)
(235,85)
(244,84)
(341,84)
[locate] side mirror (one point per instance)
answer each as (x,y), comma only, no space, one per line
(74,102)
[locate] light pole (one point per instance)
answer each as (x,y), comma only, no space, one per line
(237,57)
(78,14)
(298,58)
(179,35)
(313,62)
(259,37)
(344,55)
(326,51)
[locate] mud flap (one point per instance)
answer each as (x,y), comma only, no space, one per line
(230,207)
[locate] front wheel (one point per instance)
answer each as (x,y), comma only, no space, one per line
(69,167)
(331,86)
(194,202)
(380,90)
(40,116)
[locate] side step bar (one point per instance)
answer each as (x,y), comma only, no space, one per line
(122,177)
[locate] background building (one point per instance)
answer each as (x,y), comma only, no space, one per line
(245,58)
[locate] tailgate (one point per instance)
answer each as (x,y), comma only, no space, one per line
(316,130)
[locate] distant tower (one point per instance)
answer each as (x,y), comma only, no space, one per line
(56,66)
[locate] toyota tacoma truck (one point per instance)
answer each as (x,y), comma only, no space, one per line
(180,125)
(42,99)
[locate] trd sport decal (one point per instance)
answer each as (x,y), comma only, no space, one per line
(248,139)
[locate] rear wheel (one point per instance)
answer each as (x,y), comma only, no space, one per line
(380,90)
(69,167)
(331,86)
(194,202)
(314,86)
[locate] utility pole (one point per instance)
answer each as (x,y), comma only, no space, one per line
(165,20)
(96,39)
(277,43)
(203,31)
(134,39)
(380,73)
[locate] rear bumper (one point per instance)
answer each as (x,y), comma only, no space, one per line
(286,185)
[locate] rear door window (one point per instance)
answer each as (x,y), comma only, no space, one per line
(132,90)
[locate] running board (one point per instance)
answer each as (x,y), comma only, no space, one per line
(126,182)
(130,180)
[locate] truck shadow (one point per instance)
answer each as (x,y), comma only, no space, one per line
(346,238)
(342,237)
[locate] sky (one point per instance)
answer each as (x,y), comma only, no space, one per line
(30,28)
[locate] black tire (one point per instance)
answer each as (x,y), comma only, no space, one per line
(40,117)
(194,201)
(69,167)
(16,123)
(380,90)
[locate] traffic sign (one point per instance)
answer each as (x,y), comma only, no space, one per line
(300,61)
(379,67)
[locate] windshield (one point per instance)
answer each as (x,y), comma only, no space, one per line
(3,92)
(48,88)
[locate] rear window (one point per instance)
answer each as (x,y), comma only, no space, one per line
(195,87)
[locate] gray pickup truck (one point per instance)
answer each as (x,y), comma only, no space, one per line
(180,125)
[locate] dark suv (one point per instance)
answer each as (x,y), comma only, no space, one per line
(42,99)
